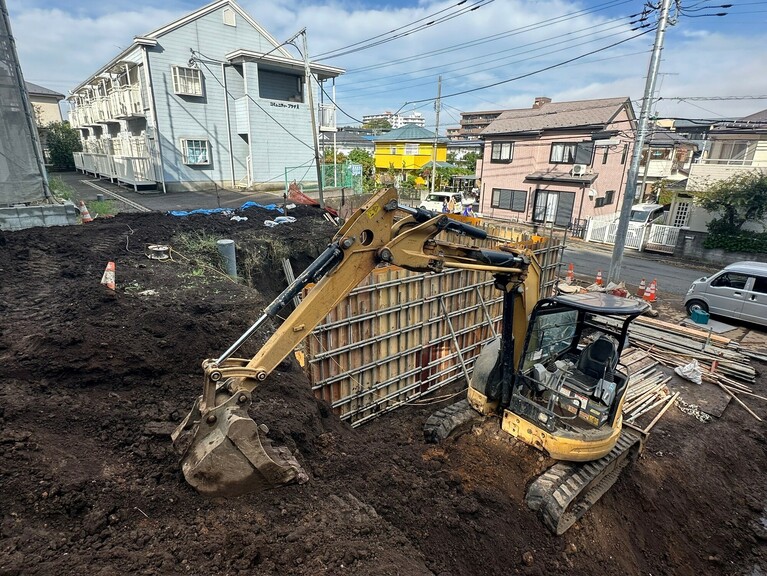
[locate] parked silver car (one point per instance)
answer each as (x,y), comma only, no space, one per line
(738,291)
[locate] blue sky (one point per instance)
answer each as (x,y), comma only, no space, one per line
(476,52)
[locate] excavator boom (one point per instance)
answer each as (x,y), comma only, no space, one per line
(224,452)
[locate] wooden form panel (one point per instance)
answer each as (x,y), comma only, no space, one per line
(400,335)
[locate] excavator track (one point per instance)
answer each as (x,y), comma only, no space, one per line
(564,493)
(442,423)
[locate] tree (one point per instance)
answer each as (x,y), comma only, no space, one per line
(379,124)
(365,159)
(62,142)
(739,199)
(470,160)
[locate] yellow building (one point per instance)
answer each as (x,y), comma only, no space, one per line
(409,149)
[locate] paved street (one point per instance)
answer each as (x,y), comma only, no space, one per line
(674,277)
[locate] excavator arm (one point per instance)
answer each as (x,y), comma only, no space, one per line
(223,451)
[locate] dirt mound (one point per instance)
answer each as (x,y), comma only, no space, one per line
(95,381)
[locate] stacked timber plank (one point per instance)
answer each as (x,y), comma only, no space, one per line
(674,345)
(647,390)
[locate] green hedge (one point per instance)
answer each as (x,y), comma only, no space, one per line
(740,242)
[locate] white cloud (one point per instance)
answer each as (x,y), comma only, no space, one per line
(59,47)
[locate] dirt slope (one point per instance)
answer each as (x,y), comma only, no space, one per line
(94,381)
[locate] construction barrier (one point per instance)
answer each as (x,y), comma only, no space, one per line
(400,335)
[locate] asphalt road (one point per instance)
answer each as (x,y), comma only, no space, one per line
(674,277)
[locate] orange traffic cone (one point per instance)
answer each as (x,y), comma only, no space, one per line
(84,214)
(642,286)
(599,277)
(649,294)
(108,279)
(570,274)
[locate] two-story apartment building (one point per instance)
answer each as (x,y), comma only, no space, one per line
(45,104)
(733,147)
(557,162)
(209,99)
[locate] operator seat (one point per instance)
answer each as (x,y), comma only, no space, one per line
(599,358)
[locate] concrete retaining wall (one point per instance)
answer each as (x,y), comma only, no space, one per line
(21,217)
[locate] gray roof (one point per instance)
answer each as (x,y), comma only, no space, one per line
(664,138)
(558,115)
(407,133)
(760,116)
(37,90)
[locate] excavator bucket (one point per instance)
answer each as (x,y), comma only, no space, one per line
(227,454)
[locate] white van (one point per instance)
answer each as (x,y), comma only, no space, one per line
(739,291)
(434,201)
(648,214)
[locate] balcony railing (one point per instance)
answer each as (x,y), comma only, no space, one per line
(728,161)
(120,103)
(132,170)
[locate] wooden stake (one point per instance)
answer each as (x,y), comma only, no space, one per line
(738,400)
(662,411)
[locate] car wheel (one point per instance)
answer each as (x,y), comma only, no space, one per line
(694,305)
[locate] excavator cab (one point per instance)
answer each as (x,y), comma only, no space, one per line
(569,388)
(561,390)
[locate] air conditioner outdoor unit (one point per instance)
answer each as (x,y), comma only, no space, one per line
(578,169)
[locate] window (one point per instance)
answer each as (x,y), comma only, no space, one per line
(682,214)
(187,81)
(572,153)
(624,154)
(514,200)
(552,206)
(731,280)
(392,150)
(196,152)
(604,154)
(608,199)
(760,284)
(502,152)
(411,149)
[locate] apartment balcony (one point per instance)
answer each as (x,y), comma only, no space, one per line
(133,171)
(658,168)
(126,102)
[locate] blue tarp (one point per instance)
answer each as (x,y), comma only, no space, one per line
(271,207)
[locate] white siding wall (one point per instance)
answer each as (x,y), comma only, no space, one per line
(204,117)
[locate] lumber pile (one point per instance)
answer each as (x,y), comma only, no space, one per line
(647,389)
(724,363)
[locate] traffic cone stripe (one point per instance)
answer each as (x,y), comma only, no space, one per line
(649,294)
(108,279)
(570,274)
(642,286)
(599,278)
(85,216)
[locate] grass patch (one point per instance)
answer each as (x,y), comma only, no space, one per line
(61,189)
(102,208)
(200,252)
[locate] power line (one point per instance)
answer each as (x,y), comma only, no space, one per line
(557,65)
(410,84)
(322,55)
(494,37)
(517,50)
(460,12)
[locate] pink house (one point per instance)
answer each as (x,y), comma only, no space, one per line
(557,163)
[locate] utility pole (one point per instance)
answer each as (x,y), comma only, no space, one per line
(315,136)
(631,182)
(437,106)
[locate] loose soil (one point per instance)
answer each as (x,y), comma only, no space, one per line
(95,380)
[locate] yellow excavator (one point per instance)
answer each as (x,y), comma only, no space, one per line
(553,393)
